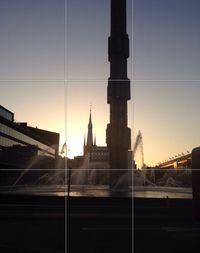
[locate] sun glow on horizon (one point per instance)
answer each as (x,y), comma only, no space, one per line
(74,146)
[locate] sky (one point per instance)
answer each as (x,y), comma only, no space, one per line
(54,65)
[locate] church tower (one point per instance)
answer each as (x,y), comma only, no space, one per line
(89,144)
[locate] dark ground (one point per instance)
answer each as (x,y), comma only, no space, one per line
(37,224)
(165,225)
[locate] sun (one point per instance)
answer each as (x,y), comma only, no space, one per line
(73,145)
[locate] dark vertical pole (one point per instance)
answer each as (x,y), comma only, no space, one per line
(118,93)
(196,182)
(69,182)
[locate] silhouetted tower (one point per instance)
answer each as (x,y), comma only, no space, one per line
(89,143)
(118,93)
(95,140)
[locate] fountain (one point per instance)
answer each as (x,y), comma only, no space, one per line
(139,144)
(38,163)
(34,160)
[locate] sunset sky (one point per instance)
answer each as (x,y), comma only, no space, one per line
(54,65)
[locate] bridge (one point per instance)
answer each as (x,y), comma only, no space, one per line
(183,160)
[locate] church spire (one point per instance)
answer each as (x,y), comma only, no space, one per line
(90,134)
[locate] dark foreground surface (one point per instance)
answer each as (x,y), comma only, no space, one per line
(89,224)
(165,225)
(43,224)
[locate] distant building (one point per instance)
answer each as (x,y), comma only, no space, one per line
(22,147)
(94,165)
(96,153)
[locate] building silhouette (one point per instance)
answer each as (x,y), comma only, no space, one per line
(23,147)
(94,166)
(91,142)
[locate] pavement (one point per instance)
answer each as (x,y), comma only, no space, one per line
(49,224)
